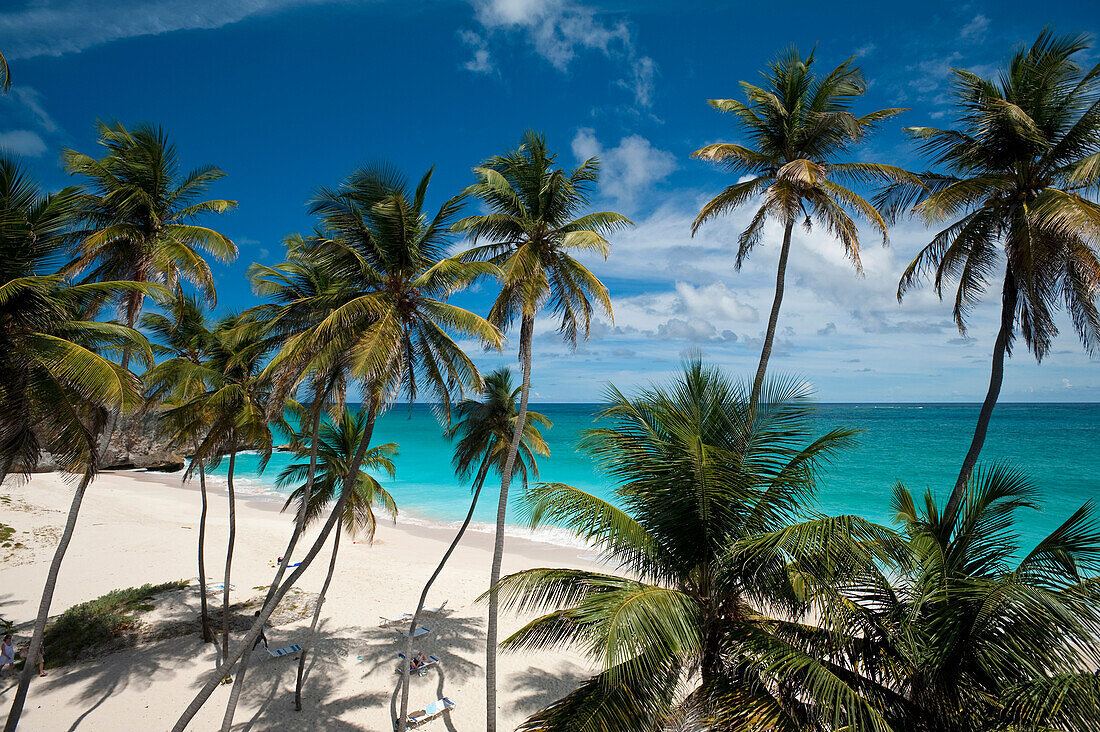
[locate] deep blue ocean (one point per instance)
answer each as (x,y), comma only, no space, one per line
(921,445)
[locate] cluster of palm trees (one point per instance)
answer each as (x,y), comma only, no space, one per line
(361,300)
(737,606)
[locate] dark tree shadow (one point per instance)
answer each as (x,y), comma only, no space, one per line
(537,688)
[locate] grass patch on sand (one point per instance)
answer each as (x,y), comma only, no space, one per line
(90,626)
(6,533)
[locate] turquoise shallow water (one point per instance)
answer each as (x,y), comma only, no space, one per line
(921,445)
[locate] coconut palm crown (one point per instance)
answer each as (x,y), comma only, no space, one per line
(336,447)
(1017,183)
(138,211)
(56,379)
(798,127)
(972,632)
(706,616)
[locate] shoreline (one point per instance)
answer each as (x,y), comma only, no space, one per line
(527,542)
(132,531)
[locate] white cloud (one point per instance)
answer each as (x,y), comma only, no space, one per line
(642,71)
(52,28)
(22,142)
(559,29)
(975,29)
(628,169)
(482,62)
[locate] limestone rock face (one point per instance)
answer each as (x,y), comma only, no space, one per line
(138,442)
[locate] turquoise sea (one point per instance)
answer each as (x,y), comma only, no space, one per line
(920,444)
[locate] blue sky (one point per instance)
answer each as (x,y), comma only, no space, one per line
(286,95)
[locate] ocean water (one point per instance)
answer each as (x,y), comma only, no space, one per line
(921,445)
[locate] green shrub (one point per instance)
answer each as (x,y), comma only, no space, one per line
(94,624)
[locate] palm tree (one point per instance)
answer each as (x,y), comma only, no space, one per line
(798,124)
(534,227)
(484,429)
(721,560)
(230,415)
(1018,173)
(302,292)
(5,74)
(337,447)
(137,218)
(182,335)
(392,324)
(967,636)
(56,384)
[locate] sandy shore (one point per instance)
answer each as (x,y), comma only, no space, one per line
(136,528)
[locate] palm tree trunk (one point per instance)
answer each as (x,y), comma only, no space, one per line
(229,551)
(244,650)
(30,664)
(478,483)
(773,319)
(300,519)
(313,625)
(1001,347)
(133,310)
(204,613)
(527,329)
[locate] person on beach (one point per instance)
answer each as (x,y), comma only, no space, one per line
(7,655)
(42,661)
(418,662)
(263,635)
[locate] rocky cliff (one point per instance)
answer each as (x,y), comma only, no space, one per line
(138,442)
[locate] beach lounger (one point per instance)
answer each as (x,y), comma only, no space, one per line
(423,670)
(419,632)
(289,566)
(403,617)
(289,650)
(429,712)
(219,588)
(435,610)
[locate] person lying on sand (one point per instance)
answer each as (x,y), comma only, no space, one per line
(418,662)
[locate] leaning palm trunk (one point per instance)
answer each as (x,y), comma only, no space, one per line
(773,319)
(1001,346)
(299,525)
(35,649)
(229,552)
(527,329)
(300,519)
(313,626)
(244,651)
(402,721)
(136,299)
(204,613)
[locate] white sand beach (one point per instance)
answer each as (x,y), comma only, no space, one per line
(138,528)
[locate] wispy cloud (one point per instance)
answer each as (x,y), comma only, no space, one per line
(975,30)
(22,142)
(56,27)
(560,29)
(481,62)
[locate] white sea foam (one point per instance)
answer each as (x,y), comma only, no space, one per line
(257,488)
(554,535)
